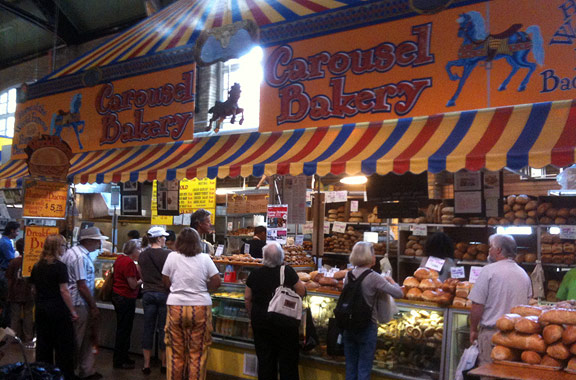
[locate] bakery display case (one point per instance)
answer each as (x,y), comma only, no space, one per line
(457,339)
(230,318)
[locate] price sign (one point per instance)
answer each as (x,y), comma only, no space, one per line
(299,240)
(329,274)
(339,227)
(353,206)
(457,272)
(219,251)
(326,227)
(33,245)
(340,196)
(435,263)
(45,199)
(322,270)
(329,197)
(419,230)
(568,232)
(308,228)
(230,226)
(246,248)
(474,273)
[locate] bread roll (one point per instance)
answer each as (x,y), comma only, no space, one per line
(510,200)
(569,335)
(429,296)
(571,364)
(530,257)
(427,284)
(340,274)
(573,349)
(422,273)
(552,333)
(531,205)
(459,302)
(522,199)
(528,325)
(328,281)
(311,285)
(414,294)
(531,357)
(550,361)
(303,276)
(462,246)
(568,247)
(526,310)
(559,316)
(563,213)
(533,342)
(411,282)
(558,351)
(507,321)
(504,353)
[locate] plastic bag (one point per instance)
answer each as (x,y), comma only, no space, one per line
(537,278)
(567,179)
(385,266)
(467,361)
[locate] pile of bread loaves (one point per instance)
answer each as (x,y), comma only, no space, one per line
(557,251)
(296,255)
(318,282)
(336,214)
(425,286)
(415,246)
(238,259)
(342,242)
(535,335)
(471,252)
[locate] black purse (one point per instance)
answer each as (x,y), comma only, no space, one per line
(334,339)
(308,335)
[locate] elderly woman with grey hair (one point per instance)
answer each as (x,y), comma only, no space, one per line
(276,346)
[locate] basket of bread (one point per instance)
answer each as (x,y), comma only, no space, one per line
(538,336)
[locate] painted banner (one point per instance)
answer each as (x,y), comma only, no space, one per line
(33,244)
(423,65)
(146,109)
(45,199)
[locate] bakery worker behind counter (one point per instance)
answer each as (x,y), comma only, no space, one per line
(567,289)
(257,243)
(501,285)
(441,246)
(200,221)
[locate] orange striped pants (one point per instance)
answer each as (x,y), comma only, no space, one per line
(188,335)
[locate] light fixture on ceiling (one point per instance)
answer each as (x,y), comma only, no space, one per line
(355,180)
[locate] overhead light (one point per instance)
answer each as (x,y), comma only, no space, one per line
(514,230)
(356,180)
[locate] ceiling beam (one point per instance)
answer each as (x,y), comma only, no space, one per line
(26,16)
(62,25)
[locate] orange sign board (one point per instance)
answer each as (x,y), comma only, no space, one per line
(146,109)
(33,245)
(44,199)
(423,65)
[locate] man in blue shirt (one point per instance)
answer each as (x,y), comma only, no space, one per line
(7,253)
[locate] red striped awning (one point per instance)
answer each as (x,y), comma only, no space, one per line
(533,135)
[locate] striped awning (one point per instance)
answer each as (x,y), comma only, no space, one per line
(515,137)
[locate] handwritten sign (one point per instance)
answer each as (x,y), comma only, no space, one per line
(457,272)
(568,232)
(435,263)
(474,273)
(419,229)
(33,245)
(299,240)
(339,227)
(45,199)
(326,227)
(340,196)
(308,228)
(353,206)
(219,251)
(246,248)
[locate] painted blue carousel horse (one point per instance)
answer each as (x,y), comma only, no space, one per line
(478,45)
(63,119)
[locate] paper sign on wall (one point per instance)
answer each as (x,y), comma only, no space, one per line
(474,273)
(45,199)
(308,228)
(326,227)
(353,206)
(419,229)
(339,227)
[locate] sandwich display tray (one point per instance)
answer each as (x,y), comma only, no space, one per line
(526,365)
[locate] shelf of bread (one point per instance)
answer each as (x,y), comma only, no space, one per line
(541,336)
(468,251)
(322,282)
(555,250)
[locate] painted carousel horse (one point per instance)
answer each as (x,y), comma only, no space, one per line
(478,45)
(227,108)
(63,119)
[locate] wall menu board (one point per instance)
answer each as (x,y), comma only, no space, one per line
(33,245)
(197,193)
(155,218)
(45,199)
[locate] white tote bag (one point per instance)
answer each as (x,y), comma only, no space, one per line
(467,361)
(285,302)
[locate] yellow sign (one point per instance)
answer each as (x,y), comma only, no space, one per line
(45,199)
(197,193)
(158,219)
(33,245)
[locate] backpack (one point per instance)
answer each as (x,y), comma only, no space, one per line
(352,312)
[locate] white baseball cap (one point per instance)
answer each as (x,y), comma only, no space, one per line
(156,232)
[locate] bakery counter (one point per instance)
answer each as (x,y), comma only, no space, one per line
(500,371)
(107,328)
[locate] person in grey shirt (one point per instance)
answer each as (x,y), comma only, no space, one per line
(500,286)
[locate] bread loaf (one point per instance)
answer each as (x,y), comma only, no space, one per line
(507,321)
(550,361)
(459,302)
(558,351)
(504,353)
(559,316)
(414,294)
(340,274)
(303,276)
(571,364)
(528,325)
(429,296)
(422,273)
(573,349)
(569,335)
(532,342)
(427,284)
(311,285)
(531,357)
(552,333)
(411,282)
(328,281)
(526,310)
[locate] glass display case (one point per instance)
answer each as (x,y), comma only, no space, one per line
(101,269)
(230,319)
(458,339)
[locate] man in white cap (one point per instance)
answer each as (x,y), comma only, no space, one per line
(81,287)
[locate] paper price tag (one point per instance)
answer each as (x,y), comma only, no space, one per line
(299,240)
(339,227)
(419,230)
(568,232)
(457,272)
(230,226)
(474,273)
(326,227)
(219,251)
(329,274)
(246,248)
(329,197)
(322,270)
(308,228)
(353,206)
(340,196)
(435,263)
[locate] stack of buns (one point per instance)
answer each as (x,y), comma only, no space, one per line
(336,214)
(519,210)
(373,216)
(415,246)
(425,286)
(357,216)
(552,287)
(320,282)
(461,293)
(471,251)
(557,251)
(548,214)
(342,242)
(537,335)
(296,255)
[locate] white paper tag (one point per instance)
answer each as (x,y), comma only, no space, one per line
(329,197)
(340,196)
(322,270)
(353,206)
(246,248)
(219,251)
(329,274)
(308,228)
(419,230)
(568,232)
(230,226)
(474,273)
(339,227)
(299,240)
(457,272)
(435,263)
(326,227)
